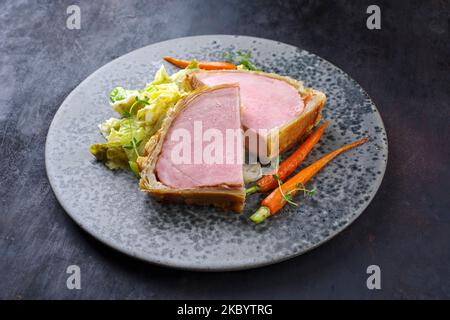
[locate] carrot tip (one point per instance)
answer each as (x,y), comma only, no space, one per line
(260,215)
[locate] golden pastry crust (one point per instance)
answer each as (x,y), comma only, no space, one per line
(295,131)
(227,198)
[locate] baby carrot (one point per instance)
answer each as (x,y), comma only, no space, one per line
(268,182)
(277,199)
(206,65)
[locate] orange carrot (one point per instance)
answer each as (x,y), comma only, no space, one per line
(207,65)
(289,165)
(277,199)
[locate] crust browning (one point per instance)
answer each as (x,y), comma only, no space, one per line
(227,198)
(293,132)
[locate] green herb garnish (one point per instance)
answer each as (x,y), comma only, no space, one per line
(288,196)
(138,102)
(241,59)
(134,144)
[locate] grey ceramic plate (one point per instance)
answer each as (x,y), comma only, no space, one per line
(109,205)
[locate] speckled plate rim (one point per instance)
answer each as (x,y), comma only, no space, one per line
(195,267)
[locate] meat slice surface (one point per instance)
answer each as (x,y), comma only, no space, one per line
(267,102)
(184,161)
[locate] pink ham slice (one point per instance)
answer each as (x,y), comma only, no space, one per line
(267,102)
(219,110)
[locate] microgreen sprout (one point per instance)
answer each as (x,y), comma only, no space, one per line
(289,194)
(134,142)
(242,59)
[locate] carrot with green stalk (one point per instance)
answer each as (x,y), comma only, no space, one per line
(206,65)
(285,192)
(268,182)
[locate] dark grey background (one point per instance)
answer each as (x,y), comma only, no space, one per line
(404,67)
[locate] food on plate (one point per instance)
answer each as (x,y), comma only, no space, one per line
(271,104)
(252,172)
(235,60)
(268,182)
(155,135)
(167,178)
(141,113)
(243,60)
(206,65)
(286,191)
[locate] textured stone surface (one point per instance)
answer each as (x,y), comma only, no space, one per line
(404,67)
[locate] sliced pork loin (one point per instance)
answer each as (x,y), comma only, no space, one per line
(196,181)
(269,102)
